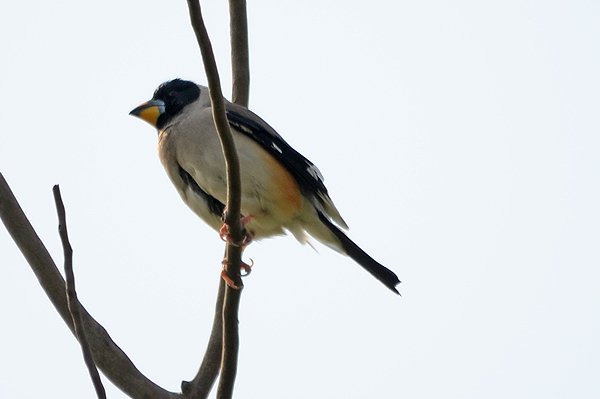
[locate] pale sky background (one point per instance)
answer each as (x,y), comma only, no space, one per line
(460,140)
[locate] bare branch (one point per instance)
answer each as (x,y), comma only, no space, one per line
(113,362)
(231,343)
(224,342)
(240,60)
(202,383)
(208,372)
(240,69)
(232,214)
(73,303)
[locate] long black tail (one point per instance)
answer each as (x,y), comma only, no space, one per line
(380,272)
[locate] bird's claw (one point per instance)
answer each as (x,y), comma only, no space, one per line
(225,236)
(247,268)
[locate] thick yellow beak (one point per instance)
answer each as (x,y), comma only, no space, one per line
(149,111)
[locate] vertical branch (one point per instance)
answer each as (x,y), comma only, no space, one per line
(240,94)
(230,343)
(232,216)
(231,340)
(202,383)
(72,301)
(208,372)
(240,59)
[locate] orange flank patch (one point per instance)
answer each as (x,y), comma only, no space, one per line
(283,190)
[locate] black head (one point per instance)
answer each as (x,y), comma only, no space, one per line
(168,101)
(175,94)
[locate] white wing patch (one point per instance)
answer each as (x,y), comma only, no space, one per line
(276,148)
(246,129)
(315,172)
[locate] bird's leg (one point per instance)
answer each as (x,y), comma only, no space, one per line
(247,238)
(225,236)
(247,268)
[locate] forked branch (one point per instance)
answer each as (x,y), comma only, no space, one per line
(108,356)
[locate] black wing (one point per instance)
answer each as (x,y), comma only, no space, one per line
(214,205)
(305,172)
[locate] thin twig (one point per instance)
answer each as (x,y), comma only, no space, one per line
(240,59)
(201,385)
(113,362)
(73,303)
(232,215)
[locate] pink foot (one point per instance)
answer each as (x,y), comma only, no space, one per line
(247,268)
(225,236)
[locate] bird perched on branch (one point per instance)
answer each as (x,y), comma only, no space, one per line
(281,190)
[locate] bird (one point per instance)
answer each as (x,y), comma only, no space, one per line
(282,191)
